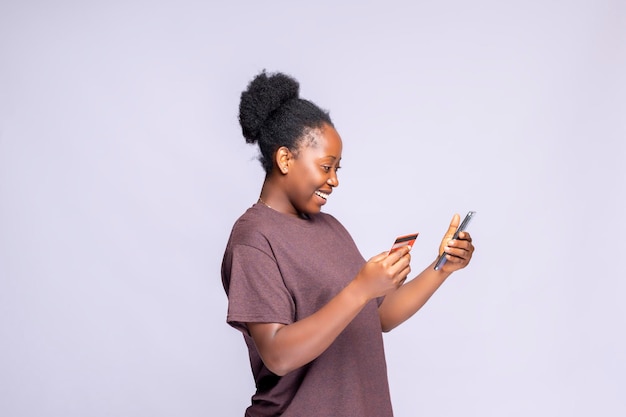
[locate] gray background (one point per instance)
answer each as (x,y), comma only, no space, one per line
(122,169)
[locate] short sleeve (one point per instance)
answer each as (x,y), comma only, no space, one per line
(256,290)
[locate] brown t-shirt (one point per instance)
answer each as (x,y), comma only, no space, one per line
(280,269)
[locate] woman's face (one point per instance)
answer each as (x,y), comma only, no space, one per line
(312,173)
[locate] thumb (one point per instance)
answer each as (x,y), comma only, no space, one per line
(379,257)
(454,224)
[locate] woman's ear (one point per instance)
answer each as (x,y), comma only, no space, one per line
(283,159)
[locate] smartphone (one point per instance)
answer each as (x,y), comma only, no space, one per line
(406,240)
(466,221)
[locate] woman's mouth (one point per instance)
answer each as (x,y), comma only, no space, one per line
(321,194)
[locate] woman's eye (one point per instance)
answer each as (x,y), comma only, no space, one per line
(326,168)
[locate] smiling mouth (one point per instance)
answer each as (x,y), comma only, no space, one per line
(321,194)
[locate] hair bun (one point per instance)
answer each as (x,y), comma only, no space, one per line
(264,94)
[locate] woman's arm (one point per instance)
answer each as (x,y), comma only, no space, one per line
(401,304)
(284,348)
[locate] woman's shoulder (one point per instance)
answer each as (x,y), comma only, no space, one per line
(251,225)
(331,221)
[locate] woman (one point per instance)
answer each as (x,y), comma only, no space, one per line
(311,309)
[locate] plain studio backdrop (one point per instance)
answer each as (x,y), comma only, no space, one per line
(123,168)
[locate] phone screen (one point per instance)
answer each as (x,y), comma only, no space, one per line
(466,221)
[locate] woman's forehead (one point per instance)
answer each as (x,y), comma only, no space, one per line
(324,140)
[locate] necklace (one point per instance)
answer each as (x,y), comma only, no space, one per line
(264,203)
(301,215)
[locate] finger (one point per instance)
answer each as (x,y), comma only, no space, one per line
(404,275)
(395,267)
(457,254)
(460,243)
(465,236)
(455,262)
(404,261)
(399,253)
(401,283)
(459,258)
(459,249)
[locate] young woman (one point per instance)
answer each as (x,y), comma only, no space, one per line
(311,309)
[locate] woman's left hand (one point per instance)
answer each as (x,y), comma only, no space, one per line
(458,251)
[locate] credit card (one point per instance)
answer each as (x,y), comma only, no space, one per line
(406,240)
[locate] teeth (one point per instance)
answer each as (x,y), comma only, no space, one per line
(321,194)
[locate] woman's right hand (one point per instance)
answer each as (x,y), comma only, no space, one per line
(384,272)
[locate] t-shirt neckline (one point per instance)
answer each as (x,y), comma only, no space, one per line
(304,222)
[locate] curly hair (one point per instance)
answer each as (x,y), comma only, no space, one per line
(272,114)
